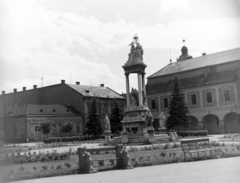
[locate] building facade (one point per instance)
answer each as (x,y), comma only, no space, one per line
(57,103)
(23,123)
(211,85)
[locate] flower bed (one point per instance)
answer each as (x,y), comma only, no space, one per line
(139,156)
(33,157)
(70,139)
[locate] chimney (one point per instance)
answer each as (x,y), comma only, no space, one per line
(203,54)
(102,85)
(24,88)
(15,90)
(34,86)
(63,81)
(3,92)
(77,83)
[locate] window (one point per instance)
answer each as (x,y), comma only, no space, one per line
(37,128)
(226,94)
(165,102)
(193,99)
(209,97)
(153,104)
(77,129)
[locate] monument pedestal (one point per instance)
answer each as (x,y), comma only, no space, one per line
(107,136)
(151,136)
(124,139)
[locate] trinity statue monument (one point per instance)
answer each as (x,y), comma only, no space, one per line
(138,120)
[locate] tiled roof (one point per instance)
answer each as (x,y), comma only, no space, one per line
(48,110)
(213,74)
(199,62)
(36,110)
(91,91)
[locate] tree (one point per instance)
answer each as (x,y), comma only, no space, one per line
(67,127)
(46,128)
(93,125)
(116,118)
(178,109)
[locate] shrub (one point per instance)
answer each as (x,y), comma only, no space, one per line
(67,127)
(193,133)
(68,139)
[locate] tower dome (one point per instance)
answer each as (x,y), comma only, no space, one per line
(185,54)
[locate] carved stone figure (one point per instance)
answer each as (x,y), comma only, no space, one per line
(149,119)
(85,161)
(136,51)
(107,124)
(161,121)
(122,154)
(134,98)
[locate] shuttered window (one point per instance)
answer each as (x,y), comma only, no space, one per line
(193,99)
(153,104)
(165,102)
(209,97)
(226,95)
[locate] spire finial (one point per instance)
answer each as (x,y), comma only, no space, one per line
(170,55)
(183,42)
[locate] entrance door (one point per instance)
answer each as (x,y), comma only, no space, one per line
(37,133)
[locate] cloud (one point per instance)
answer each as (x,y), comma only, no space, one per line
(37,42)
(168,6)
(41,41)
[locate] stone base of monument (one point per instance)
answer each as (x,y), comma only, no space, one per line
(151,138)
(139,140)
(161,137)
(107,139)
(124,139)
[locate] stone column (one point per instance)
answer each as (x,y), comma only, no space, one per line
(143,82)
(127,90)
(140,89)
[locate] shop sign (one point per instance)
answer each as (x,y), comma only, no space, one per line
(40,120)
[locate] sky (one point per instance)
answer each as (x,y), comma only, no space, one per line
(45,41)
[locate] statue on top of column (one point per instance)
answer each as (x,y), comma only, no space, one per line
(136,51)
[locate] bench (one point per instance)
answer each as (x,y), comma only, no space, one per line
(86,161)
(191,146)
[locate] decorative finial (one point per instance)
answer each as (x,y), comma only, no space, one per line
(184,42)
(170,60)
